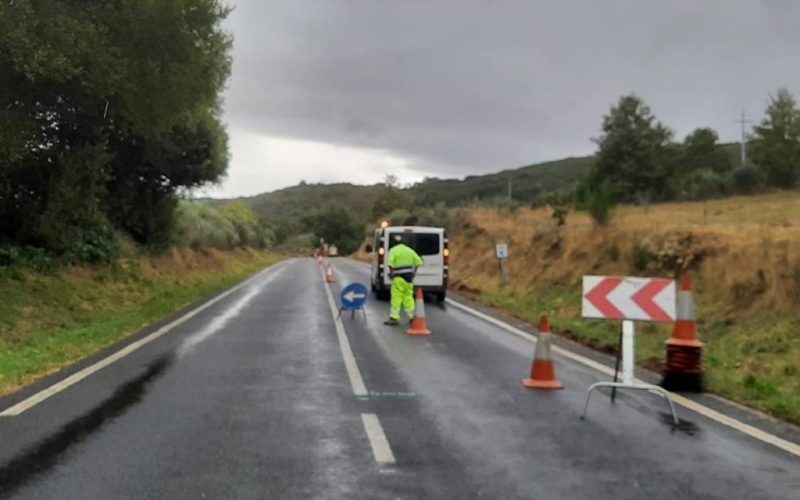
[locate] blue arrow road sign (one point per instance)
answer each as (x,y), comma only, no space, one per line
(354,296)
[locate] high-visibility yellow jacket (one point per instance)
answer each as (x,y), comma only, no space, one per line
(403,261)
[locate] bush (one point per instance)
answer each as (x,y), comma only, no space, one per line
(560,214)
(599,201)
(198,224)
(643,256)
(747,179)
(702,184)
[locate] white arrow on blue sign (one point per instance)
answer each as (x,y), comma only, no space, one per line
(354,296)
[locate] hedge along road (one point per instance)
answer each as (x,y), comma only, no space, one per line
(263,395)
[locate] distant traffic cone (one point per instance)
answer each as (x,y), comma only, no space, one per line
(329,277)
(543,373)
(419,325)
(683,370)
(319,260)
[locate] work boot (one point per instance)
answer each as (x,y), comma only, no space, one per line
(391,322)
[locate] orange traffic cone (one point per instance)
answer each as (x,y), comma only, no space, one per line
(683,370)
(543,373)
(329,278)
(319,260)
(419,326)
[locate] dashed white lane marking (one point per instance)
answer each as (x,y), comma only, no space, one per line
(719,417)
(377,439)
(372,425)
(73,379)
(353,373)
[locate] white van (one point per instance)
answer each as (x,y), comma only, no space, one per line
(429,242)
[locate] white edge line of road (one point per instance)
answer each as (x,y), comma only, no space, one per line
(694,406)
(377,439)
(76,377)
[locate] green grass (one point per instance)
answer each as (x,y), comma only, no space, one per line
(754,361)
(49,321)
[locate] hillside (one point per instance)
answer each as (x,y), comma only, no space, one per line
(280,206)
(527,183)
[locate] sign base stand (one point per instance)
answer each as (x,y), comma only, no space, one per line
(352,312)
(627,375)
(635,387)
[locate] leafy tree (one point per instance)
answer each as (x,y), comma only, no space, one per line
(247,225)
(701,151)
(632,151)
(389,199)
(107,110)
(776,145)
(336,225)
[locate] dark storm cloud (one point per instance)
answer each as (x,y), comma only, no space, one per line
(463,87)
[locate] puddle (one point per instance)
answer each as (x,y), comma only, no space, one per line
(684,426)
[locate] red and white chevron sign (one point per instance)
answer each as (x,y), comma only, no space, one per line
(639,299)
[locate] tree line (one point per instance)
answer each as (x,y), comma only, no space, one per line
(638,161)
(109,111)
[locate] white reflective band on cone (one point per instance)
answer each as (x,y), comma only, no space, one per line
(685,306)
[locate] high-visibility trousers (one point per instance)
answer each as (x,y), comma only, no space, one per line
(402,298)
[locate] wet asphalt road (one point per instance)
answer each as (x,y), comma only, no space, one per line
(250,398)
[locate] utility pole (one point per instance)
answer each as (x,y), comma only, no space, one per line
(743,121)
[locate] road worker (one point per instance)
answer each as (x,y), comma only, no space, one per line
(403,265)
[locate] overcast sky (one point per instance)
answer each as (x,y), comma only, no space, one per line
(352,90)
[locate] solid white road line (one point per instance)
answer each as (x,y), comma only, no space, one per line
(377,439)
(356,381)
(694,406)
(73,379)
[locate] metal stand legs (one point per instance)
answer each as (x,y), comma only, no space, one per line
(636,387)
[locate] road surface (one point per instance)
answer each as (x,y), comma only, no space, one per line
(259,395)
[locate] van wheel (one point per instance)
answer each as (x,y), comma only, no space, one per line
(384,295)
(440,297)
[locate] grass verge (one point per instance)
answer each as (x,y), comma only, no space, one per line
(48,321)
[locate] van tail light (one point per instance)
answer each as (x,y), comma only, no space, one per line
(381,251)
(446,255)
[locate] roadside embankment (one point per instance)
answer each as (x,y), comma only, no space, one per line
(49,320)
(743,254)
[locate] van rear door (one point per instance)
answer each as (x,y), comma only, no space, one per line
(429,245)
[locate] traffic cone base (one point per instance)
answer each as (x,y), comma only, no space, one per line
(540,384)
(683,382)
(419,325)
